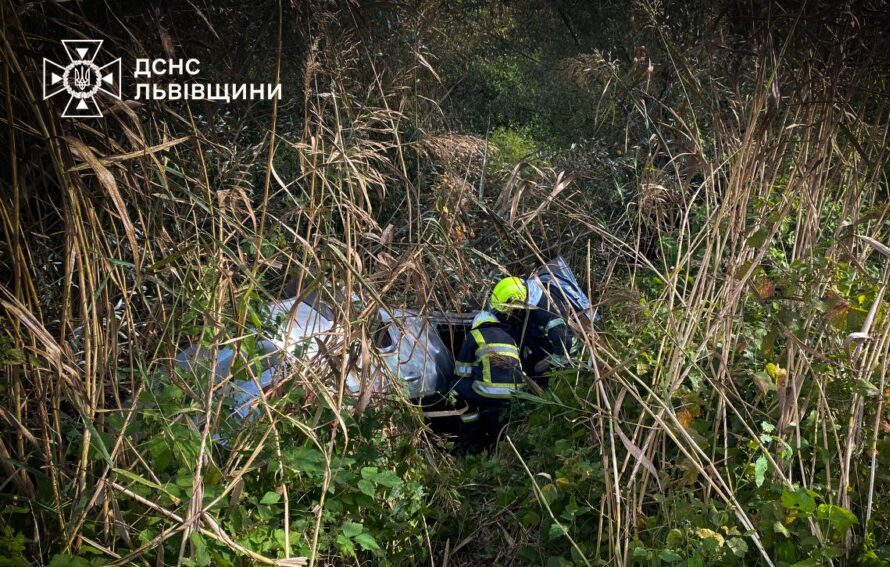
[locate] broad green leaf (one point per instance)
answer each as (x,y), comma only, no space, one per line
(270,498)
(388,479)
(278,535)
(864,388)
(760,467)
(64,560)
(779,528)
(352,529)
(550,492)
(346,545)
(840,518)
(675,538)
(367,542)
(800,499)
(308,460)
(556,531)
(669,556)
(705,534)
(738,546)
(202,556)
(758,239)
(366,486)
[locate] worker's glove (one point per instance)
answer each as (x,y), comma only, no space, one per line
(542,367)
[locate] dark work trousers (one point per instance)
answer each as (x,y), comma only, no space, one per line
(481,433)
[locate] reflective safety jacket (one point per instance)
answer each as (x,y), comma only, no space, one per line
(490,358)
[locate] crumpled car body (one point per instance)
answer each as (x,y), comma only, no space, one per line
(414,350)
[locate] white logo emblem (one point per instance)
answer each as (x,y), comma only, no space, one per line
(82,78)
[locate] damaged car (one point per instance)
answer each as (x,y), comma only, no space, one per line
(414,350)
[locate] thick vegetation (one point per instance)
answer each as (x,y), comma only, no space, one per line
(715,173)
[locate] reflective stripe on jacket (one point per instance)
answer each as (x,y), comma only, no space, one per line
(486,350)
(490,358)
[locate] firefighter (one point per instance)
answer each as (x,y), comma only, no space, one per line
(488,369)
(543,334)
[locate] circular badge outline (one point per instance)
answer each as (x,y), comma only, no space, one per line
(85,94)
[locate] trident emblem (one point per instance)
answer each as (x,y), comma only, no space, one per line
(82,78)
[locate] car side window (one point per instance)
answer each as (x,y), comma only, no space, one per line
(383,337)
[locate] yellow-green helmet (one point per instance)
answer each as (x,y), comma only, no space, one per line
(509,293)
